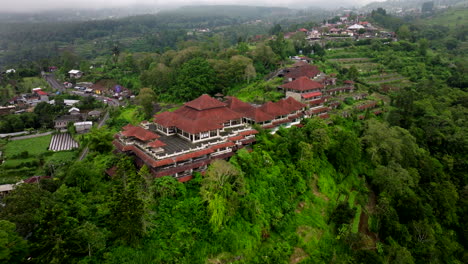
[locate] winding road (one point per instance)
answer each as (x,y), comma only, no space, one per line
(101,123)
(50,78)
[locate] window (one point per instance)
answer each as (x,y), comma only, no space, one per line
(205,135)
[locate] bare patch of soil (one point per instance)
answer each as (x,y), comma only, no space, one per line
(298,255)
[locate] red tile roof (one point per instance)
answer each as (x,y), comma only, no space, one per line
(41,93)
(185,178)
(260,116)
(268,126)
(317,101)
(235,138)
(138,132)
(302,84)
(247,110)
(166,119)
(310,95)
(309,71)
(205,102)
(248,132)
(248,141)
(320,110)
(193,154)
(156,144)
(295,105)
(222,145)
(324,116)
(274,109)
(367,105)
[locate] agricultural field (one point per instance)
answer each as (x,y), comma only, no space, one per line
(29,157)
(370,72)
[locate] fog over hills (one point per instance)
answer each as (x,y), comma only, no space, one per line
(28,6)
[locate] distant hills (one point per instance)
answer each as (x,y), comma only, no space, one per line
(395,5)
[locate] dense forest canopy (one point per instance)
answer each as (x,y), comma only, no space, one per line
(25,42)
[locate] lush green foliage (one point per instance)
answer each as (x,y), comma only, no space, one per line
(385,190)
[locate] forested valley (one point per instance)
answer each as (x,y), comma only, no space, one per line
(368,188)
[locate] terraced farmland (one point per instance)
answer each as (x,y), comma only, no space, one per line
(371,72)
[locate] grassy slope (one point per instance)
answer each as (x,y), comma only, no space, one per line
(450,18)
(34,146)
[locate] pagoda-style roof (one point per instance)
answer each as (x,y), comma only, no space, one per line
(274,109)
(309,71)
(200,115)
(204,102)
(260,116)
(302,84)
(293,104)
(248,110)
(139,133)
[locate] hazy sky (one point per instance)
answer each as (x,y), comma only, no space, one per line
(41,5)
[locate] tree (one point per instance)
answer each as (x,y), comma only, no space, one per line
(195,77)
(403,32)
(353,73)
(279,46)
(264,55)
(423,46)
(241,68)
(127,208)
(145,99)
(13,248)
(222,187)
(83,176)
(94,237)
(160,78)
(115,53)
(100,140)
(318,50)
(24,207)
(394,180)
(345,151)
(276,29)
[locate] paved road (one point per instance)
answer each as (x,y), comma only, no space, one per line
(13,134)
(32,136)
(101,123)
(107,100)
(50,78)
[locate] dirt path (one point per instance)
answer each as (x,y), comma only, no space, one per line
(364,218)
(315,190)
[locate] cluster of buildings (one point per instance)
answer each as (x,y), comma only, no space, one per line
(188,139)
(86,88)
(81,121)
(21,102)
(343,28)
